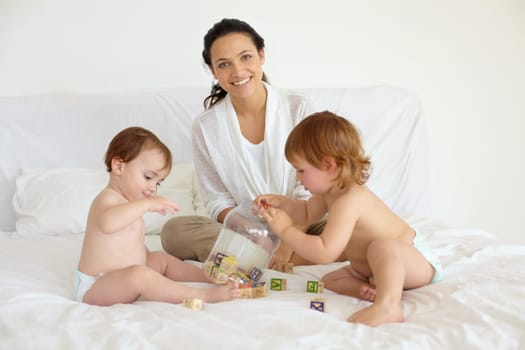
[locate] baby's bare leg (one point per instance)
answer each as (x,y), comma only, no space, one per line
(395,265)
(349,282)
(175,269)
(126,285)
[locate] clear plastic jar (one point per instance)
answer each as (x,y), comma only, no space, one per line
(243,248)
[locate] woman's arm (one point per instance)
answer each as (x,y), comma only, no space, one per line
(214,194)
(222,215)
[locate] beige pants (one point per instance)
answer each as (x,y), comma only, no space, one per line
(192,237)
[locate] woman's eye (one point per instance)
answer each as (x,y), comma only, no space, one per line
(246,57)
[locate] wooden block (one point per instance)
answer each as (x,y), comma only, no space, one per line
(252,284)
(318,304)
(218,276)
(218,258)
(207,267)
(242,278)
(192,303)
(253,290)
(314,286)
(254,274)
(278,284)
(246,293)
(260,292)
(229,264)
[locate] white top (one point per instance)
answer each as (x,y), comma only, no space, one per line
(228,172)
(256,152)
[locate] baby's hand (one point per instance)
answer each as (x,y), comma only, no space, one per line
(278,259)
(278,220)
(265,201)
(162,205)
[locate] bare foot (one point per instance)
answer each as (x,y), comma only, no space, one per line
(225,292)
(375,315)
(367,293)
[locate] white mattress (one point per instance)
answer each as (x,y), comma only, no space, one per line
(478,305)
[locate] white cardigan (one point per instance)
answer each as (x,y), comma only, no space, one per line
(227,172)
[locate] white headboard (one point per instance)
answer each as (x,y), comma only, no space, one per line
(73,130)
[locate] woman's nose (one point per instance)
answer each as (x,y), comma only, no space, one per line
(236,68)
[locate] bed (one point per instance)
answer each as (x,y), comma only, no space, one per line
(51,166)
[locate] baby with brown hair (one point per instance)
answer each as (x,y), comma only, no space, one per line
(115,264)
(386,254)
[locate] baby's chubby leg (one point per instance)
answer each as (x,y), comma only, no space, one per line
(395,265)
(177,270)
(126,285)
(174,268)
(350,282)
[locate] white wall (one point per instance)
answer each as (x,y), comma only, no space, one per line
(465,59)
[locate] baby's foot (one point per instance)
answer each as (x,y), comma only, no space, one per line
(367,293)
(225,292)
(375,315)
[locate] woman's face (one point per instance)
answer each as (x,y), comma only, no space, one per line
(237,64)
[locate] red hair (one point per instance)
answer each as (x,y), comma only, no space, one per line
(326,135)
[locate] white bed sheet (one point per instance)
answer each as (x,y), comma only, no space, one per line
(478,305)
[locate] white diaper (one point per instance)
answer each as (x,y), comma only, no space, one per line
(83,283)
(432,258)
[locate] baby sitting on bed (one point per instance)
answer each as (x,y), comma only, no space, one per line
(115,265)
(386,254)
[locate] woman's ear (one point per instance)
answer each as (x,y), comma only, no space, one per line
(117,165)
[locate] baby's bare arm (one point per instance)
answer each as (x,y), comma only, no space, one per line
(325,248)
(314,209)
(295,208)
(112,214)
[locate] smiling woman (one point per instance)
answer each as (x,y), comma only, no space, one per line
(235,47)
(234,158)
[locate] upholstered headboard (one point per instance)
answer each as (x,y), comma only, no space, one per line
(72,130)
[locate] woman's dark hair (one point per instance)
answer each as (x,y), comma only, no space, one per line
(220,29)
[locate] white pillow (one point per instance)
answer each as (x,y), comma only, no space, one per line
(57,201)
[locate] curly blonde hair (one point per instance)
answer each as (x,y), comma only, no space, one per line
(326,135)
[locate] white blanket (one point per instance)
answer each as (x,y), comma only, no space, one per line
(478,305)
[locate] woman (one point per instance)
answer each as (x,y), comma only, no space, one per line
(238,141)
